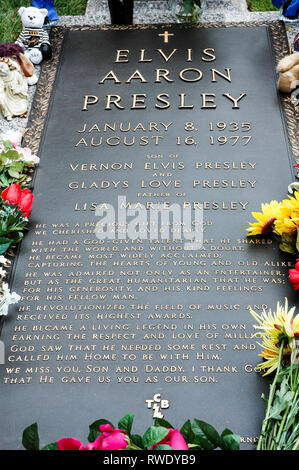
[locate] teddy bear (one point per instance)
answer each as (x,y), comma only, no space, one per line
(33,38)
(288,68)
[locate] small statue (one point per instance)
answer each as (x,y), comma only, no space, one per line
(34,39)
(49,5)
(16,73)
(13,89)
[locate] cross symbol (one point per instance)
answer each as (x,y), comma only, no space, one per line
(166,35)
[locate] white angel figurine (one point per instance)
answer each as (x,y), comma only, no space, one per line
(13,89)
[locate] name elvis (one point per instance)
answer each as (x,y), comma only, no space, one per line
(189,74)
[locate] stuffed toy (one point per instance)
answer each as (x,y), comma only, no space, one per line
(16,52)
(288,68)
(34,39)
(15,68)
(49,5)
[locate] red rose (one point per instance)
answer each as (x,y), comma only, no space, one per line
(26,201)
(174,439)
(14,195)
(294,275)
(110,439)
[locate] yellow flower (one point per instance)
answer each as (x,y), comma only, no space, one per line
(287,219)
(285,225)
(265,219)
(276,327)
(292,203)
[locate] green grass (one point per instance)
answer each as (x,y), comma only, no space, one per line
(10,23)
(261,5)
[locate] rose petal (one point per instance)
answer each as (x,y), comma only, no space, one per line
(69,443)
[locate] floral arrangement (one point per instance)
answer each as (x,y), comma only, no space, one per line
(281,219)
(16,199)
(279,332)
(197,435)
(15,203)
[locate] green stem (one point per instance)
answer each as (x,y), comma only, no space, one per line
(281,427)
(270,400)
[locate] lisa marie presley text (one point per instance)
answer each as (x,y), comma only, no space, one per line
(189,74)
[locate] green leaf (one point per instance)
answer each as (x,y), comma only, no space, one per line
(187,433)
(52,446)
(13,173)
(94,430)
(229,440)
(4,180)
(137,440)
(153,435)
(30,438)
(188,6)
(163,423)
(163,447)
(205,435)
(194,447)
(283,399)
(12,155)
(4,244)
(7,144)
(288,243)
(126,423)
(18,166)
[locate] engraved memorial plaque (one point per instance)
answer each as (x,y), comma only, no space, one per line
(151,115)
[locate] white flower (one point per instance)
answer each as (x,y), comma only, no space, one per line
(26,155)
(2,272)
(15,137)
(3,260)
(7,299)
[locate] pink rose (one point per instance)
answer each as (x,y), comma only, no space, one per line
(174,439)
(110,439)
(27,154)
(70,443)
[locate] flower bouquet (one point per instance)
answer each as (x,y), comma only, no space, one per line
(280,219)
(279,332)
(196,435)
(16,199)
